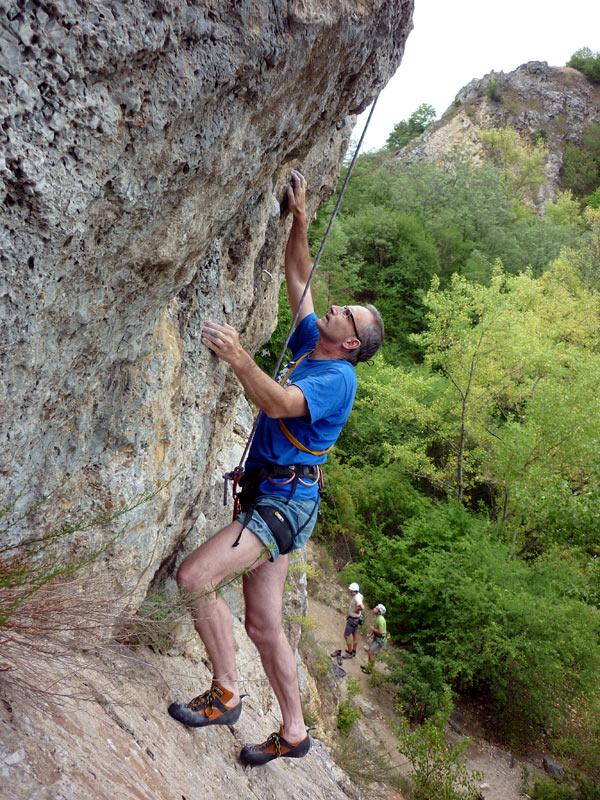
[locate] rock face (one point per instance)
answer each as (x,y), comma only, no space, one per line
(145,149)
(557,103)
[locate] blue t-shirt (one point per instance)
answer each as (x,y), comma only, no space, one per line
(328,386)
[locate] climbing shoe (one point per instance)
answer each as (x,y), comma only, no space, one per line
(366,670)
(349,654)
(209,708)
(335,653)
(274,747)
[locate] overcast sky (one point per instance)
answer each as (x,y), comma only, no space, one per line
(454,41)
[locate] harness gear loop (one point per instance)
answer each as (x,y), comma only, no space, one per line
(236,474)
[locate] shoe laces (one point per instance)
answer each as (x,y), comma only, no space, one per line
(273,739)
(204,700)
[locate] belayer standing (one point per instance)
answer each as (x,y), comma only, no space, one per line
(353,620)
(379,636)
(303,416)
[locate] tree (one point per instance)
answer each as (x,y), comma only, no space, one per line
(406,130)
(587,62)
(523,165)
(505,406)
(581,164)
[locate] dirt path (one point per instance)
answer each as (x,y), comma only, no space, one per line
(328,608)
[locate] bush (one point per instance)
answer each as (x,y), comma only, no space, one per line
(580,171)
(498,625)
(587,62)
(549,789)
(439,770)
(420,684)
(492,90)
(348,713)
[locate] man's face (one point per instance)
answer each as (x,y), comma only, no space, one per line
(337,325)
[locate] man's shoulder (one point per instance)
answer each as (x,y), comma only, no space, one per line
(305,335)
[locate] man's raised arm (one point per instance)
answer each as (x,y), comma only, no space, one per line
(297,255)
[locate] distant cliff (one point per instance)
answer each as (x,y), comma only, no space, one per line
(555,103)
(145,148)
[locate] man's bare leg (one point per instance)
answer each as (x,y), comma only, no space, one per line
(263,593)
(199,574)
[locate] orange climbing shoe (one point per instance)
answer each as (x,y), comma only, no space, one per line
(209,708)
(275,747)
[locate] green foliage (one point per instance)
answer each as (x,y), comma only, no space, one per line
(406,130)
(550,789)
(523,165)
(348,713)
(440,772)
(498,625)
(586,61)
(564,210)
(488,407)
(493,91)
(420,686)
(580,171)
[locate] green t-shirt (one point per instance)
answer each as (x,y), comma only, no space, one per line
(381,624)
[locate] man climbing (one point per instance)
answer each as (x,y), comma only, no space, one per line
(353,620)
(379,636)
(303,416)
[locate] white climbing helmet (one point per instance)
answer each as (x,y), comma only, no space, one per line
(381,608)
(354,587)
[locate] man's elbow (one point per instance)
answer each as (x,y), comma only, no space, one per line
(284,409)
(274,413)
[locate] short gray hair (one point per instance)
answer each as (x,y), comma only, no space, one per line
(371,338)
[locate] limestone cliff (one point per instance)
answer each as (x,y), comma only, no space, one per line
(145,149)
(556,103)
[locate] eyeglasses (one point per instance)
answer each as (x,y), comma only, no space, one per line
(348,314)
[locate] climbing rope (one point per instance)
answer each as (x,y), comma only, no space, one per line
(237,473)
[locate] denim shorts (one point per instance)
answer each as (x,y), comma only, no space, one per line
(376,644)
(302,515)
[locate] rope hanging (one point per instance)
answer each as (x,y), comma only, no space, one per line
(238,471)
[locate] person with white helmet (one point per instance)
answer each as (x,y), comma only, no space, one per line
(353,620)
(379,633)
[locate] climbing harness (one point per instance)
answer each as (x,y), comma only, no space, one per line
(236,475)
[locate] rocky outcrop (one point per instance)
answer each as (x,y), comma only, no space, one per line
(554,103)
(145,149)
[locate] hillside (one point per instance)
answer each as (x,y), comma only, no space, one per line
(554,104)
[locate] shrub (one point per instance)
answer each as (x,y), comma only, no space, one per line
(492,90)
(440,772)
(498,625)
(586,62)
(580,171)
(420,684)
(348,713)
(49,602)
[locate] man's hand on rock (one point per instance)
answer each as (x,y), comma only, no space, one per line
(297,194)
(223,341)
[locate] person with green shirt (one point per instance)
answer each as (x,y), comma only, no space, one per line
(379,636)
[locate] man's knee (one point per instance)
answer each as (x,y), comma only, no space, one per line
(263,633)
(193,577)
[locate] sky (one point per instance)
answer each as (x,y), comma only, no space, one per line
(454,41)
